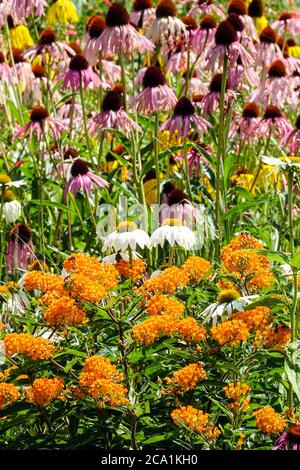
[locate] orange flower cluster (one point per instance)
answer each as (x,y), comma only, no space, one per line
(133,270)
(244,241)
(196,268)
(167,282)
(28,345)
(186,379)
(100,379)
(240,442)
(196,420)
(64,311)
(45,282)
(43,391)
(255,319)
(238,393)
(272,337)
(8,394)
(166,325)
(162,304)
(230,332)
(268,421)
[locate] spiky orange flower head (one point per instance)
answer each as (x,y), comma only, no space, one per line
(272,337)
(196,420)
(255,319)
(244,241)
(196,268)
(153,328)
(190,330)
(44,282)
(230,332)
(133,270)
(64,311)
(238,392)
(28,346)
(186,379)
(8,394)
(167,282)
(44,390)
(162,304)
(268,421)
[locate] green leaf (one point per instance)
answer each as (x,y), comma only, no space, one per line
(295,261)
(58,205)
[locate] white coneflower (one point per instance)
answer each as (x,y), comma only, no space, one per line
(126,236)
(173,232)
(12,211)
(228,301)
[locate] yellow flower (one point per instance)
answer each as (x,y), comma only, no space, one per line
(260,23)
(20,37)
(62,11)
(294,51)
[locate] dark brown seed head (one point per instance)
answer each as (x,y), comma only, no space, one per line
(236,22)
(277,69)
(272,112)
(118,87)
(38,114)
(140,5)
(250,110)
(216,83)
(70,153)
(225,34)
(2,58)
(291,42)
(153,77)
(10,22)
(21,233)
(298,123)
(184,107)
(17,55)
(208,22)
(165,8)
(268,35)
(96,27)
(237,6)
(168,187)
(150,175)
(89,21)
(79,167)
(112,101)
(256,9)
(189,22)
(78,63)
(76,48)
(119,150)
(47,37)
(117,15)
(38,71)
(285,16)
(176,197)
(293,434)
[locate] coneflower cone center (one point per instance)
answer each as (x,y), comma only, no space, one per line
(225,34)
(165,8)
(38,71)
(96,27)
(236,22)
(268,35)
(277,69)
(272,112)
(153,77)
(117,15)
(38,114)
(216,83)
(176,197)
(294,433)
(78,63)
(2,57)
(285,16)
(47,37)
(298,123)
(250,110)
(256,9)
(208,22)
(184,107)
(21,233)
(79,167)
(140,5)
(112,101)
(237,6)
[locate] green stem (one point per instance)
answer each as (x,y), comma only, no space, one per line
(85,121)
(123,78)
(156,159)
(290,210)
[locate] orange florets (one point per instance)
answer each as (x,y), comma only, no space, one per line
(64,311)
(272,337)
(162,304)
(196,420)
(196,268)
(190,330)
(43,391)
(27,345)
(268,421)
(186,379)
(8,394)
(244,241)
(238,393)
(45,282)
(133,270)
(167,282)
(230,332)
(100,379)
(255,319)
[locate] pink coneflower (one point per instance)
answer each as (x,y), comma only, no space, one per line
(7,74)
(69,156)
(143,13)
(48,44)
(292,138)
(67,109)
(111,71)
(227,44)
(35,85)
(20,249)
(190,30)
(23,8)
(179,59)
(82,179)
(196,161)
(238,7)
(211,101)
(289,440)
(268,49)
(278,86)
(120,35)
(179,207)
(206,7)
(205,34)
(113,116)
(183,118)
(246,125)
(40,122)
(166,29)
(80,74)
(287,23)
(156,96)
(273,120)
(95,28)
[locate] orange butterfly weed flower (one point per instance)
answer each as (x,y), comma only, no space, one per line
(153,328)
(167,282)
(269,421)
(230,332)
(133,270)
(8,394)
(255,319)
(196,268)
(272,337)
(190,330)
(162,304)
(244,241)
(44,390)
(64,311)
(239,394)
(28,346)
(186,379)
(196,420)
(45,282)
